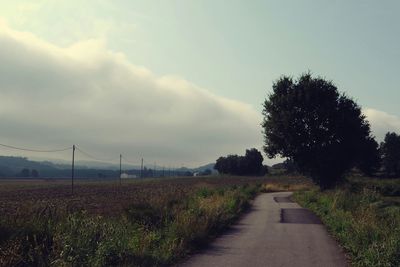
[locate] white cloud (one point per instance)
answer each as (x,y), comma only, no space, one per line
(86,94)
(382,122)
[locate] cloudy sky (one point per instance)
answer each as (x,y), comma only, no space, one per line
(182,82)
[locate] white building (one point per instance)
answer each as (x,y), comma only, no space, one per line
(127,176)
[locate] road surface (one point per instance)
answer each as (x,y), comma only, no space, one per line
(276,232)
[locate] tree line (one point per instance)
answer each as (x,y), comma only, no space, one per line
(249,164)
(390,154)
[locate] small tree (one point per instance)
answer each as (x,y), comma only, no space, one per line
(25,172)
(34,173)
(310,122)
(206,172)
(390,150)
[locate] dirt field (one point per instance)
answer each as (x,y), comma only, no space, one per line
(107,198)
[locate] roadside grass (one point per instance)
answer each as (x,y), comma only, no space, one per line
(364,216)
(385,187)
(148,233)
(281,187)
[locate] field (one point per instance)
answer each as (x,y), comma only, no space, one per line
(141,223)
(160,221)
(364,216)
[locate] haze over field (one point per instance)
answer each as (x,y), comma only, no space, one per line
(176,82)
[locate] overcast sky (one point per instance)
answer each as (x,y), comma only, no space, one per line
(182,82)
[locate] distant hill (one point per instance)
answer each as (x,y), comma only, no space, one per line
(209,166)
(13,166)
(20,167)
(200,169)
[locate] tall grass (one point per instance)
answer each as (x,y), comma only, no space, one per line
(367,226)
(148,233)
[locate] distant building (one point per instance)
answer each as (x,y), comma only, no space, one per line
(127,176)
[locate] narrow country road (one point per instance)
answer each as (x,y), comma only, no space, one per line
(276,232)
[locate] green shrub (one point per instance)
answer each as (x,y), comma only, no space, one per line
(145,214)
(204,192)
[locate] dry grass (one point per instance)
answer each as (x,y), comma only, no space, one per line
(296,183)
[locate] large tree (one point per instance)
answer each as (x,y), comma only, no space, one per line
(310,122)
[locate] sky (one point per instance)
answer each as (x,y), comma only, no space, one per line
(181,83)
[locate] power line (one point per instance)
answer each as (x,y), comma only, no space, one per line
(108,160)
(93,157)
(36,150)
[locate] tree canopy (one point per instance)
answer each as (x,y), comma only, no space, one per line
(250,164)
(310,122)
(390,150)
(370,159)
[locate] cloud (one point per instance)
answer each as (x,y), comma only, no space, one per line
(88,95)
(382,122)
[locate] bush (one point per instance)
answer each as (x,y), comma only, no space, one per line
(145,215)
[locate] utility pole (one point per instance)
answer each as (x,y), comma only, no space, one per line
(141,170)
(120,168)
(73,169)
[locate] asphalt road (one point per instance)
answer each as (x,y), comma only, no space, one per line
(276,232)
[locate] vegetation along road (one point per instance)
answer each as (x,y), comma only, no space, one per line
(276,232)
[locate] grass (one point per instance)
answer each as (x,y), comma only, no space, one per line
(364,216)
(144,223)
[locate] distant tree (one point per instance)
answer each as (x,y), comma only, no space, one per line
(220,165)
(250,164)
(34,173)
(370,159)
(149,172)
(25,172)
(228,165)
(206,172)
(188,173)
(233,164)
(390,150)
(254,162)
(145,172)
(289,166)
(310,122)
